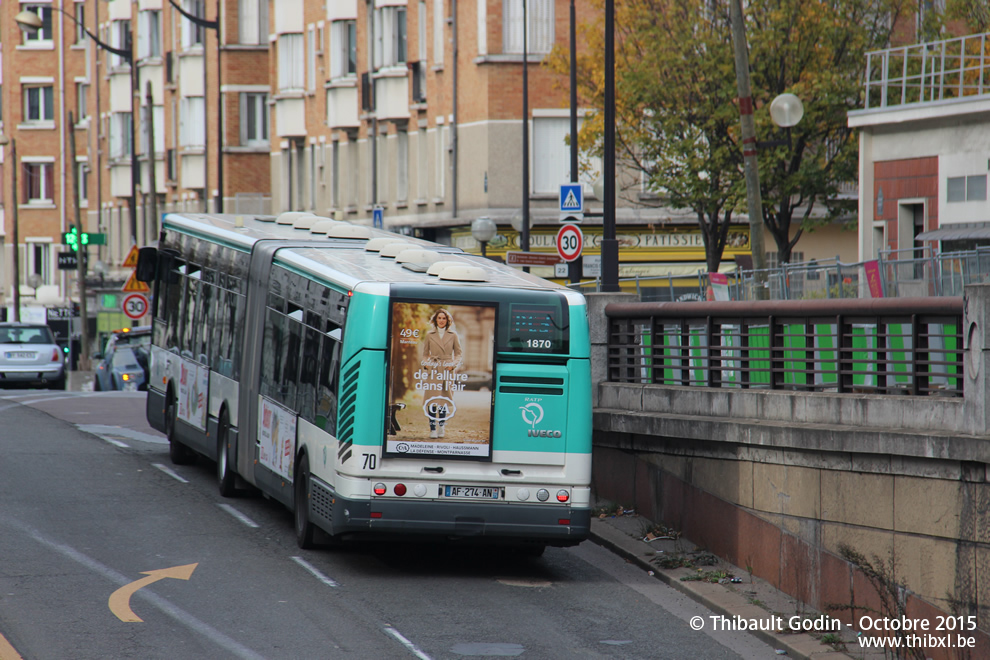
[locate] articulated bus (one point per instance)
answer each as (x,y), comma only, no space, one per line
(374,383)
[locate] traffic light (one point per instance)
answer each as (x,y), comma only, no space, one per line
(74,239)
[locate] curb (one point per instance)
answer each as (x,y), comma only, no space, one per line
(715,597)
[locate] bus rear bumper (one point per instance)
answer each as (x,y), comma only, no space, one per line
(461,520)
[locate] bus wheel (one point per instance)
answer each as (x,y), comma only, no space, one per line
(178,452)
(226,478)
(304,528)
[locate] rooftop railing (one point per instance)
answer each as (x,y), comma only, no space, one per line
(928,72)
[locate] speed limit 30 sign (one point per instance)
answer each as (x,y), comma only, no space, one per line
(570,241)
(135,306)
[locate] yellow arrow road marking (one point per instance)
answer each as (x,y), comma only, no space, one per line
(8,652)
(120,600)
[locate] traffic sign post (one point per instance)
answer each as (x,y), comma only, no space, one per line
(135,306)
(570,242)
(571,202)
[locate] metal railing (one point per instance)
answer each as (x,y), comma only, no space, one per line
(902,346)
(903,273)
(928,72)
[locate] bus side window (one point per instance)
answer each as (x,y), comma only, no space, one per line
(308,373)
(290,363)
(235,333)
(173,303)
(204,324)
(326,407)
(271,354)
(188,337)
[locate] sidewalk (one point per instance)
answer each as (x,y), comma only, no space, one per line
(725,589)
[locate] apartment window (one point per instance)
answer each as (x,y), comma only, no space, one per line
(192,34)
(551,154)
(539,26)
(39,182)
(44,35)
(335,175)
(39,255)
(83,168)
(120,135)
(252,22)
(192,132)
(290,54)
(402,166)
(421,42)
(82,107)
(120,37)
(441,161)
(390,36)
(343,45)
(38,103)
(311,58)
(422,169)
(149,34)
(254,119)
(439,21)
(80,11)
(967,188)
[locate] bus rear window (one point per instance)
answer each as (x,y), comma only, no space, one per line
(536,328)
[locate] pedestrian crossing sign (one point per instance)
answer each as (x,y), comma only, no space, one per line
(571,198)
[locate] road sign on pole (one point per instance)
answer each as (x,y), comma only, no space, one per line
(570,242)
(135,306)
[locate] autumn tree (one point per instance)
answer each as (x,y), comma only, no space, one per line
(677,117)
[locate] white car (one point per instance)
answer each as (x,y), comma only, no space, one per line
(29,355)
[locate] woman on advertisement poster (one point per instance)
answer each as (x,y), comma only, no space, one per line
(441,357)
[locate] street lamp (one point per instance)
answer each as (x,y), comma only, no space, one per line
(483,230)
(211,25)
(4,141)
(31,22)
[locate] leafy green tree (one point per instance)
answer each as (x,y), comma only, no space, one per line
(677,115)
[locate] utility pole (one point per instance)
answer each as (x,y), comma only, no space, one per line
(574,267)
(754,202)
(153,234)
(81,258)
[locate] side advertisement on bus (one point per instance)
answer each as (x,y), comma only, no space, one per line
(276,438)
(441,375)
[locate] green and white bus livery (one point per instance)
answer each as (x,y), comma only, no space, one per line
(374,383)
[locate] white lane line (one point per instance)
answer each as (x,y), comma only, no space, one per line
(405,642)
(185,618)
(122,431)
(330,582)
(237,514)
(169,472)
(115,443)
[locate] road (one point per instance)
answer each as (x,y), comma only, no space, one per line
(92,514)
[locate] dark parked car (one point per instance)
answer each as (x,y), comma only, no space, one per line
(29,355)
(129,369)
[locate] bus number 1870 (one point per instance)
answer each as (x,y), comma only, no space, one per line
(539,343)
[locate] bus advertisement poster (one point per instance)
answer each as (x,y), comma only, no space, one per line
(278,438)
(194,381)
(441,363)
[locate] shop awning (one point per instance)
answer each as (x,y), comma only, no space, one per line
(958,232)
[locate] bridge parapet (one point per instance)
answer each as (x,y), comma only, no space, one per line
(809,456)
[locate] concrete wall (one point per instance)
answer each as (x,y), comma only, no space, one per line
(780,482)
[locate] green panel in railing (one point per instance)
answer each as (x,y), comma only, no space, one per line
(864,355)
(826,354)
(759,364)
(796,357)
(899,354)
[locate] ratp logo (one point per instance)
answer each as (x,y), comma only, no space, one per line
(532,413)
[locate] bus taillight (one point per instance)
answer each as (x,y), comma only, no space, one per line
(563,496)
(380,489)
(400,489)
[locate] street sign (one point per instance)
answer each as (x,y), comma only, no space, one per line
(130,261)
(531,258)
(68,261)
(570,241)
(60,313)
(591,265)
(571,198)
(561,270)
(378,217)
(135,306)
(134,286)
